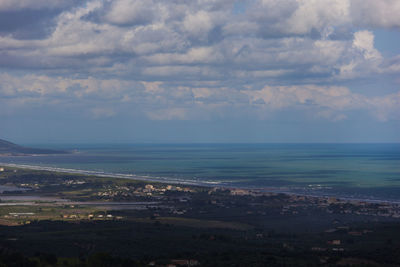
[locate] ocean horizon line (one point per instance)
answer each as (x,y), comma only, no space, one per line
(107,144)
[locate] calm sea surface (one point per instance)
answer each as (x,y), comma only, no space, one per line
(347,170)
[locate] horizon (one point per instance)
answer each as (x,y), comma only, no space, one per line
(118,144)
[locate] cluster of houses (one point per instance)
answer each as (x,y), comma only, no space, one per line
(343,206)
(35,185)
(295,203)
(177,263)
(73,216)
(334,205)
(73,182)
(147,190)
(19,214)
(104,216)
(246,192)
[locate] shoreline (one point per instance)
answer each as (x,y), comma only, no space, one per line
(208,184)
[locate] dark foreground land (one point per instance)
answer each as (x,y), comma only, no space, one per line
(76,220)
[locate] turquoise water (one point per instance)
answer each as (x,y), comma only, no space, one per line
(350,170)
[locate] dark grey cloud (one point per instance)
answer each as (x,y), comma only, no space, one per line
(31,19)
(28,24)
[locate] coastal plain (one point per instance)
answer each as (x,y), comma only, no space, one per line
(69,219)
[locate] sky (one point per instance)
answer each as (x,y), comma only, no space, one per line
(177,71)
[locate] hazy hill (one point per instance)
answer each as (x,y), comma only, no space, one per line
(8,148)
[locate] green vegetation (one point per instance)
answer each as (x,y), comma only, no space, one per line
(63,219)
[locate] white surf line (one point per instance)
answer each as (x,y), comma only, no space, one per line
(210,184)
(112,175)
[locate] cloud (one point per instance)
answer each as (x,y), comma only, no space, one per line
(333,97)
(198,24)
(7,5)
(371,13)
(157,38)
(131,12)
(201,92)
(386,107)
(153,87)
(198,59)
(166,101)
(365,58)
(330,102)
(364,41)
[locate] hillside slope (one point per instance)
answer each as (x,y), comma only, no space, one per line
(8,148)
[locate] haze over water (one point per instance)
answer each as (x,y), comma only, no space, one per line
(366,171)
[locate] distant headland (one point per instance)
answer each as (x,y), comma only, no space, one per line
(10,149)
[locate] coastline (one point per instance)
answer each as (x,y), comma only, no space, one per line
(110,175)
(209,184)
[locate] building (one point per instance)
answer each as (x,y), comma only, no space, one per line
(149,187)
(334,242)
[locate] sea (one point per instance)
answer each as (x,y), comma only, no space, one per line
(354,171)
